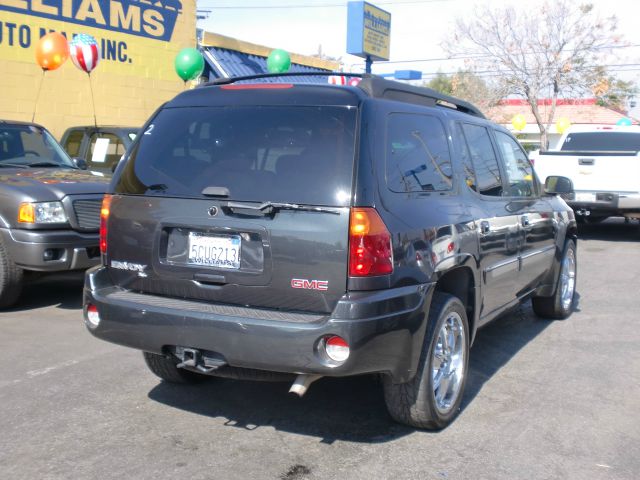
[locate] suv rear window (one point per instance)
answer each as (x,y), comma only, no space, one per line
(260,153)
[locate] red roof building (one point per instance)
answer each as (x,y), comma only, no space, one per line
(577,111)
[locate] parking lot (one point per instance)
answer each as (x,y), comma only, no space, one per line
(545,400)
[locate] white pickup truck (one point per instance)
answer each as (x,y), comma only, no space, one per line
(604,165)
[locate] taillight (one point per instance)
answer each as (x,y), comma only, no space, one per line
(370,251)
(104,216)
(93,316)
(336,348)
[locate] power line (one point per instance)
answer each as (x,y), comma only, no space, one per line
(501,73)
(472,56)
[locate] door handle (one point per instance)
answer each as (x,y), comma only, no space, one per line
(524,220)
(485,227)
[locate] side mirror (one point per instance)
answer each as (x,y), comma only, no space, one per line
(556,185)
(81,163)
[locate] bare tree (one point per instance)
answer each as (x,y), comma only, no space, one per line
(538,52)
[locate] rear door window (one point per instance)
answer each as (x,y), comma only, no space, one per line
(259,153)
(483,160)
(418,158)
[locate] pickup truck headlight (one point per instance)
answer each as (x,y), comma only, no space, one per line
(42,213)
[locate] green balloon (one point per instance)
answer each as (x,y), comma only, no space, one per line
(189,63)
(278,61)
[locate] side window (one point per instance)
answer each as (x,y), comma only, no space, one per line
(73,142)
(518,167)
(418,158)
(483,159)
(465,156)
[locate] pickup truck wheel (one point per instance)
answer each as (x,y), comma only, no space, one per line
(432,398)
(560,304)
(10,279)
(166,369)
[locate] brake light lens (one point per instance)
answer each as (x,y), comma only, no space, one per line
(104,216)
(257,86)
(337,348)
(370,251)
(93,316)
(451,247)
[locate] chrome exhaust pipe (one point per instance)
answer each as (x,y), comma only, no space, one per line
(302,382)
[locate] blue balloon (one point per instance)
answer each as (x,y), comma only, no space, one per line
(624,122)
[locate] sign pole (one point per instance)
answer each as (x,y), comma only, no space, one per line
(367,64)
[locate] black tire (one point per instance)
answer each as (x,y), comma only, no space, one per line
(414,403)
(558,306)
(165,368)
(10,278)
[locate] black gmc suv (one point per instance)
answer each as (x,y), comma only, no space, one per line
(268,229)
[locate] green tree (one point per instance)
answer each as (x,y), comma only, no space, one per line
(466,85)
(441,83)
(613,92)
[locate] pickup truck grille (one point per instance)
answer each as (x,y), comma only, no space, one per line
(87,213)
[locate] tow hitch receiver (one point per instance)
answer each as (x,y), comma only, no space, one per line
(192,358)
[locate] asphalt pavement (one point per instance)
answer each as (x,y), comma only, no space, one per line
(545,400)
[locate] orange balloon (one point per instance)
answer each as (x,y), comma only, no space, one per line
(52,51)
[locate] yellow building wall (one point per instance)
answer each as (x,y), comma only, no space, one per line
(134,77)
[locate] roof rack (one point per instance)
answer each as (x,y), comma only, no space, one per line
(379,87)
(376,87)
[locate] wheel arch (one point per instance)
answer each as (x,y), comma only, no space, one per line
(460,282)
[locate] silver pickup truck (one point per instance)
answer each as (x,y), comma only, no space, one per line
(603,163)
(49,208)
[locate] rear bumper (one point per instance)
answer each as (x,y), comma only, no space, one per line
(69,250)
(385,329)
(605,203)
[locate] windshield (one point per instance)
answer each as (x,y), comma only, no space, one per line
(606,141)
(291,154)
(26,145)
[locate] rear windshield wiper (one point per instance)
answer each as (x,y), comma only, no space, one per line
(270,207)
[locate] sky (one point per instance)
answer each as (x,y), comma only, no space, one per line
(418,29)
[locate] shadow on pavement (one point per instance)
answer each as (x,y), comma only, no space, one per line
(610,230)
(351,409)
(62,290)
(497,343)
(333,409)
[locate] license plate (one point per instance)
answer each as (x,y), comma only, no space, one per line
(585,197)
(222,251)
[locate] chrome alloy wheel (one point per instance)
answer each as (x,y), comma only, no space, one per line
(568,278)
(448,362)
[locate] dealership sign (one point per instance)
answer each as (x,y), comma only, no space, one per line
(368,31)
(146,19)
